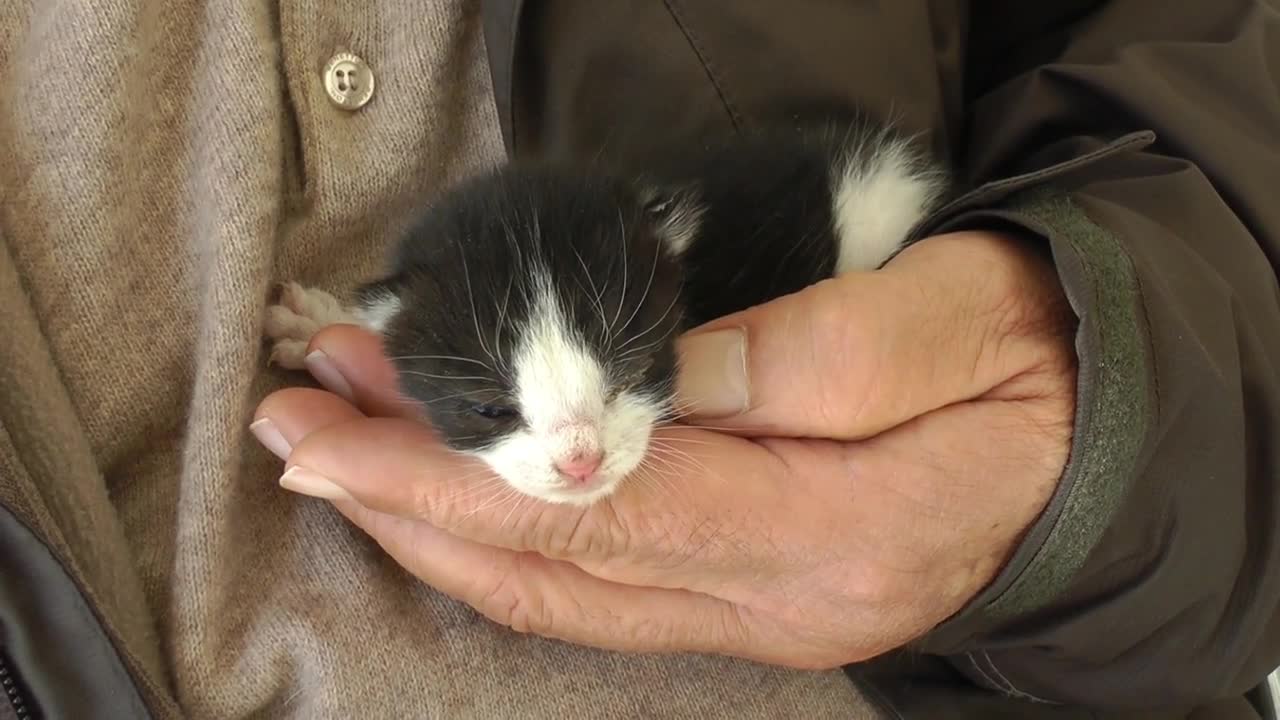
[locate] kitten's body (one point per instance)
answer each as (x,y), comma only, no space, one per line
(532,311)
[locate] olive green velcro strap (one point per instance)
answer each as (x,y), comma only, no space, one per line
(1115,407)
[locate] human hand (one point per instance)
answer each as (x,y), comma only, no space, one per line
(905,427)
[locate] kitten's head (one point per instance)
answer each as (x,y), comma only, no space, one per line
(533,314)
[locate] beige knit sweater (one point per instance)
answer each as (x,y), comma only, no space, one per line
(162,163)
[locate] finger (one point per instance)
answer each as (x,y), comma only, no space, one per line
(533,594)
(286,416)
(664,525)
(948,320)
(350,361)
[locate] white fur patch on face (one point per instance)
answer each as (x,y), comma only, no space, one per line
(562,390)
(877,202)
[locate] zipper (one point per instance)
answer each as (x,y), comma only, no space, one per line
(13,692)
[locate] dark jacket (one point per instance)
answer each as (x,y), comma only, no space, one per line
(1141,142)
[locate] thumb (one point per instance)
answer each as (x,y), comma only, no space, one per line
(948,320)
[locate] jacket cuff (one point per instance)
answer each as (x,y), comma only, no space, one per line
(1115,404)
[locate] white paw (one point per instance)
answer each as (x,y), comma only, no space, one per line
(299,314)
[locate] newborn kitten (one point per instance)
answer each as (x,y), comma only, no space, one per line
(533,310)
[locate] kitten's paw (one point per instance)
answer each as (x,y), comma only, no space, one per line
(296,317)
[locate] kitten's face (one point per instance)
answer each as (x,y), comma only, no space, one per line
(542,341)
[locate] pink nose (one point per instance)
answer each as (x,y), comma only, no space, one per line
(580,466)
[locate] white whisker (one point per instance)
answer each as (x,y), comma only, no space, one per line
(440,357)
(675,453)
(512,511)
(502,316)
(503,497)
(470,492)
(622,297)
(648,286)
(663,482)
(691,441)
(418,373)
(598,297)
(492,394)
(466,270)
(655,324)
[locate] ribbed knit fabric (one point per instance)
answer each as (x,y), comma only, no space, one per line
(163,163)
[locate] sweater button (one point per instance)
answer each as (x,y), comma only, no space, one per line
(348,81)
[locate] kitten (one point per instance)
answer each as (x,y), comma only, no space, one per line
(533,310)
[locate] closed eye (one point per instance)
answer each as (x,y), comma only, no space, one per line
(493,411)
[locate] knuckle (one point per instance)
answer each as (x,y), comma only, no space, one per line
(424,506)
(596,533)
(1020,295)
(892,581)
(1002,322)
(832,313)
(439,505)
(714,629)
(844,347)
(648,632)
(730,627)
(836,410)
(510,601)
(1022,331)
(447,504)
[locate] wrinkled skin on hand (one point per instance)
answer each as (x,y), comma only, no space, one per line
(903,430)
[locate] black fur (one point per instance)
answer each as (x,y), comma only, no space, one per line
(766,229)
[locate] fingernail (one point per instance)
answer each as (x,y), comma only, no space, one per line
(311,483)
(713,373)
(269,435)
(327,374)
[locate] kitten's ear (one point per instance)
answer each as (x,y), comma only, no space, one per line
(378,302)
(676,211)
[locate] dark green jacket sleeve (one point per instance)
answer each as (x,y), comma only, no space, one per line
(1154,575)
